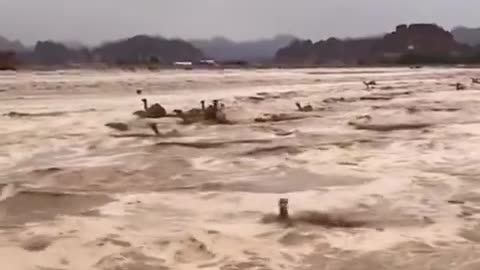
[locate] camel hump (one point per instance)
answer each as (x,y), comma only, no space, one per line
(156,110)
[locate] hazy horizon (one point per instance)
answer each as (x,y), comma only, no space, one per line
(93,22)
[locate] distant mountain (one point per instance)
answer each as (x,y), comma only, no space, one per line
(220,48)
(143,49)
(470,36)
(74,45)
(50,53)
(7,45)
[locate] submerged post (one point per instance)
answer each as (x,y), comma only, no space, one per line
(283,209)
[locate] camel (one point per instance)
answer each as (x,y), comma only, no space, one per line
(475,80)
(361,119)
(369,84)
(142,113)
(188,118)
(460,86)
(211,111)
(196,111)
(117,126)
(277,118)
(220,115)
(124,127)
(412,109)
(217,113)
(307,108)
(326,220)
(154,111)
(364,122)
(283,209)
(364,117)
(193,115)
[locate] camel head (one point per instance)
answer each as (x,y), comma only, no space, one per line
(369,83)
(299,106)
(145,105)
(178,112)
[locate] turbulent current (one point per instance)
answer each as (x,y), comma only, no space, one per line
(381,178)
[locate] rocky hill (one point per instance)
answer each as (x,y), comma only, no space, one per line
(470,36)
(419,38)
(50,53)
(135,50)
(144,49)
(8,60)
(331,51)
(422,39)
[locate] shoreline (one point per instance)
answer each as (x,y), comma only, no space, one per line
(135,68)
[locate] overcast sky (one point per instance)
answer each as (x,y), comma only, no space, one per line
(93,21)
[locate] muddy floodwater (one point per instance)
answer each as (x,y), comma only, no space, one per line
(381,178)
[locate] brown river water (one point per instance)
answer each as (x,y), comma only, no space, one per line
(398,189)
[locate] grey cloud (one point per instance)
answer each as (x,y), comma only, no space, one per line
(92,21)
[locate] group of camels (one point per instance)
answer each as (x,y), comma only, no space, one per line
(215,112)
(211,114)
(459,86)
